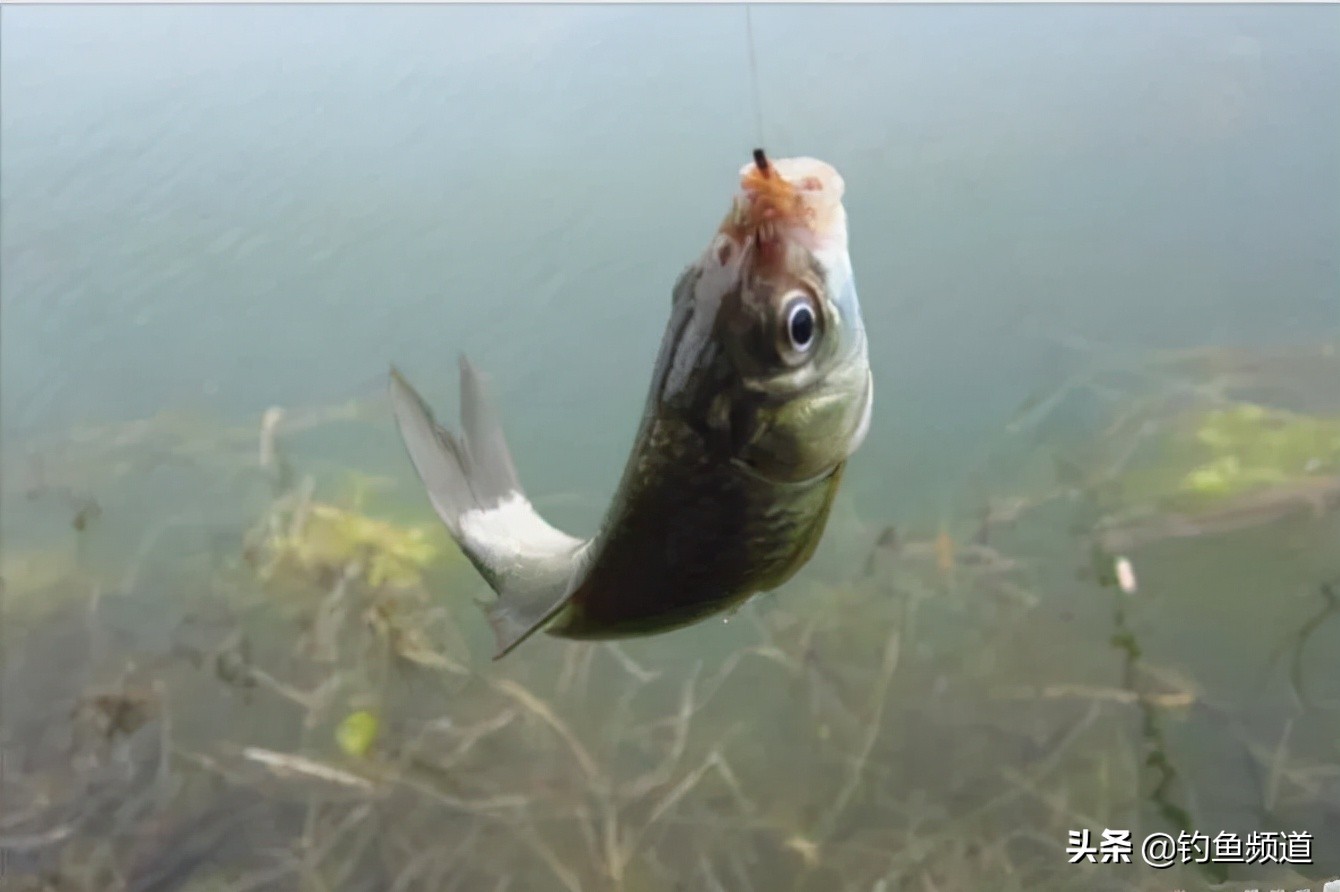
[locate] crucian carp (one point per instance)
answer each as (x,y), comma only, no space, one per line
(760,394)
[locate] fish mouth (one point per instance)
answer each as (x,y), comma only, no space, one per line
(791,200)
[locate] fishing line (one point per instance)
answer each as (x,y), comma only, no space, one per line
(753,75)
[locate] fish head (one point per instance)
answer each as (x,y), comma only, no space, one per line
(768,355)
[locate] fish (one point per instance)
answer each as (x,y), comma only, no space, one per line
(760,393)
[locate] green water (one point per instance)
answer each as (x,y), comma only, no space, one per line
(209,211)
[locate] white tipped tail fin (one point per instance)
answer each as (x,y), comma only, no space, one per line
(474,488)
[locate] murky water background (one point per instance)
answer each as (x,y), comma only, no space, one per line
(1076,230)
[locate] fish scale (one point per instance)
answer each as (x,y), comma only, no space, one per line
(692,536)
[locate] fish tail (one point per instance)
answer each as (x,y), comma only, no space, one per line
(461,474)
(473,486)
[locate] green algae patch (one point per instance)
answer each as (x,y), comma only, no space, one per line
(334,537)
(1210,457)
(320,542)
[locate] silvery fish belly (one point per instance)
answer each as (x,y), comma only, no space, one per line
(760,393)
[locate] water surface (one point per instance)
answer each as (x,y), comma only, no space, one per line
(209,211)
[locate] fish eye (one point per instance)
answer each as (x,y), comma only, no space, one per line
(800,324)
